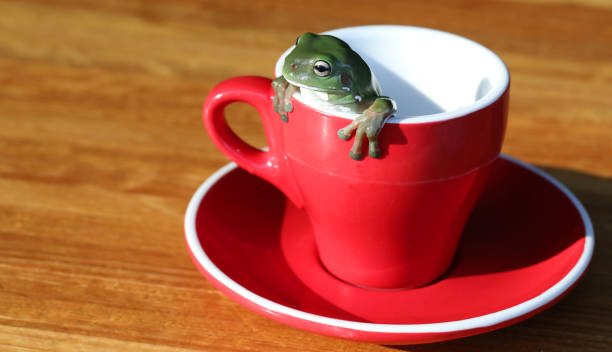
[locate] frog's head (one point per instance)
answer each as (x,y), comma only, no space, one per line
(327,64)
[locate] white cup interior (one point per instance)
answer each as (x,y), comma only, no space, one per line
(432,75)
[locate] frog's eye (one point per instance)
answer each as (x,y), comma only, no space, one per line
(297,40)
(322,68)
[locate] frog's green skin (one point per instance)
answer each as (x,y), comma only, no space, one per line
(326,64)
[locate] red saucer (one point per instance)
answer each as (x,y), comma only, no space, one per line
(526,244)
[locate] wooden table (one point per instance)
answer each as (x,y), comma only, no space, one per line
(101,147)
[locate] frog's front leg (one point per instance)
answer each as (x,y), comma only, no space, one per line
(369,123)
(282,100)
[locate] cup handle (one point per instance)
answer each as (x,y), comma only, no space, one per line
(270,165)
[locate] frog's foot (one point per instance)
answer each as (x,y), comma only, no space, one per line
(356,150)
(356,156)
(346,132)
(281,108)
(342,134)
(373,125)
(281,112)
(286,101)
(284,112)
(282,98)
(368,124)
(374,149)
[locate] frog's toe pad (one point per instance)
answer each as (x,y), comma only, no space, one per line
(284,117)
(342,135)
(375,153)
(355,156)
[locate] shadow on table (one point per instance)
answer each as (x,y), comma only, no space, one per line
(582,320)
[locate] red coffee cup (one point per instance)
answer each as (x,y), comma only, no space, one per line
(392,222)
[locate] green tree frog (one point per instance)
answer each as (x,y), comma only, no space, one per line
(329,74)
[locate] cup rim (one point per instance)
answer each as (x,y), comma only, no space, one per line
(489,99)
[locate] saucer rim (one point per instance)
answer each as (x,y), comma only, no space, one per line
(483,321)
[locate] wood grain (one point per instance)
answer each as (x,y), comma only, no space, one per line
(101,147)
